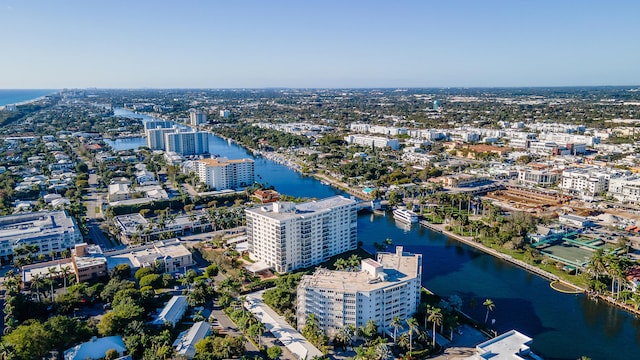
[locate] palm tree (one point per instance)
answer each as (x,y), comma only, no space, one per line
(396,323)
(36,282)
(53,273)
(66,270)
(413,326)
(488,303)
(435,317)
(381,351)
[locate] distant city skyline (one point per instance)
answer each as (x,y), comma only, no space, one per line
(318,44)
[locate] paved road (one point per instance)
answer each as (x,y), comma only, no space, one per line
(230,328)
(94,201)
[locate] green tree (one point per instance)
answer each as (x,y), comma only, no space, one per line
(116,320)
(153,280)
(142,272)
(212,270)
(274,352)
(30,340)
(488,303)
(413,327)
(435,317)
(121,271)
(396,324)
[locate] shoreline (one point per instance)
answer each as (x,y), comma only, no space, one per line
(465,240)
(284,161)
(27,102)
(521,264)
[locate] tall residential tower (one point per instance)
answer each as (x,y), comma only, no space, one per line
(289,236)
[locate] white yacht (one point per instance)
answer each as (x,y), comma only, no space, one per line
(405,215)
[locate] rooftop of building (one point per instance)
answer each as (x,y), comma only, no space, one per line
(96,348)
(186,341)
(172,311)
(85,261)
(36,224)
(287,210)
(147,254)
(510,345)
(390,268)
(46,269)
(223,161)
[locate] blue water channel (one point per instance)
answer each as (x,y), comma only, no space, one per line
(563,326)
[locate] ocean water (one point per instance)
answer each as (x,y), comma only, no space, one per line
(12,96)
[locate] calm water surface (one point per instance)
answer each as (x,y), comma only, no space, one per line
(562,326)
(8,96)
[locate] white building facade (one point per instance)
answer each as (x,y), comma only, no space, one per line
(187,143)
(197,117)
(625,189)
(587,183)
(288,236)
(380,291)
(375,141)
(222,173)
(49,230)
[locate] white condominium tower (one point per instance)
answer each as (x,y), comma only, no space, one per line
(197,117)
(187,143)
(156,139)
(289,236)
(222,173)
(380,291)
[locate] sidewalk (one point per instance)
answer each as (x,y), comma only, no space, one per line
(279,327)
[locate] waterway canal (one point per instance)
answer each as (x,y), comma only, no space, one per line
(563,326)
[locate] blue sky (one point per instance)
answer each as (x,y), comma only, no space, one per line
(223,44)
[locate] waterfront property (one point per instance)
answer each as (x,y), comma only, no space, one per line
(571,249)
(222,173)
(187,142)
(510,345)
(288,236)
(380,291)
(46,231)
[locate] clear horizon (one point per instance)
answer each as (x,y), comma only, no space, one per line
(324,45)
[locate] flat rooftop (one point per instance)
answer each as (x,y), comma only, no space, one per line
(508,346)
(395,269)
(289,210)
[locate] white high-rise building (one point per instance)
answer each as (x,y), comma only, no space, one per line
(289,236)
(187,143)
(225,114)
(154,124)
(197,117)
(156,137)
(380,291)
(222,173)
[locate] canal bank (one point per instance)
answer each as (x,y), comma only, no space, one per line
(563,326)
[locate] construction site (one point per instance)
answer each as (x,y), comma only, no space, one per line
(530,200)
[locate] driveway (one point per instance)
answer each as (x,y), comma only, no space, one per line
(229,327)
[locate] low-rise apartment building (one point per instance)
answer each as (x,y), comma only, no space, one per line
(587,182)
(625,189)
(375,141)
(50,231)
